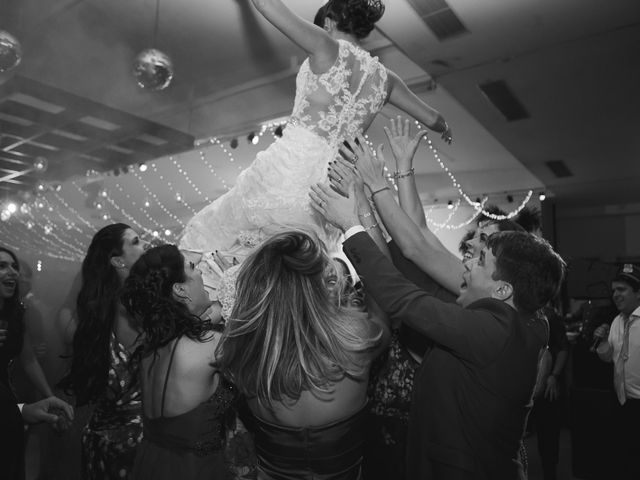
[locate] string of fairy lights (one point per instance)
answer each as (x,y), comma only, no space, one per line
(50,223)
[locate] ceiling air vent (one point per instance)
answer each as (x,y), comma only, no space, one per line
(501,96)
(559,168)
(439,17)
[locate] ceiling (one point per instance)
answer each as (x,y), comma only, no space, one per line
(568,69)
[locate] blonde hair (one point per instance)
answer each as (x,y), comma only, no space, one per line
(285,334)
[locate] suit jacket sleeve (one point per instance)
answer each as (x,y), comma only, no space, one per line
(476,333)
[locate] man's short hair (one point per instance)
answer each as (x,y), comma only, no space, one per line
(530,265)
(505,225)
(530,219)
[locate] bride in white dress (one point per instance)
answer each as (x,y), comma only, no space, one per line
(339,90)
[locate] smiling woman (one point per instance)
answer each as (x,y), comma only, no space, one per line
(14,343)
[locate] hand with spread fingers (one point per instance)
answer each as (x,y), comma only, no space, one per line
(402,145)
(340,211)
(343,174)
(369,167)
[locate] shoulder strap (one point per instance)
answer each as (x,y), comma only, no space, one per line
(166,378)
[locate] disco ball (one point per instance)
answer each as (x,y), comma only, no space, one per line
(10,51)
(153,70)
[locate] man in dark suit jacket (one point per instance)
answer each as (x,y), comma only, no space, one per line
(473,391)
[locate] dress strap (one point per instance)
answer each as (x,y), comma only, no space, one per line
(166,378)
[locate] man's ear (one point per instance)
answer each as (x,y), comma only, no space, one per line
(117,262)
(504,291)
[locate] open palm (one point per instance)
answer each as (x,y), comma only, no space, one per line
(402,145)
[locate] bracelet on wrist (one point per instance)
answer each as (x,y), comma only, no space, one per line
(365,215)
(375,225)
(375,192)
(397,174)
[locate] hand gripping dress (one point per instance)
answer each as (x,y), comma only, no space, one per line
(272,193)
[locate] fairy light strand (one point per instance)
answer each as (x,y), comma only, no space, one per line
(156,199)
(439,226)
(140,208)
(457,186)
(190,182)
(54,245)
(75,212)
(178,196)
(43,206)
(49,229)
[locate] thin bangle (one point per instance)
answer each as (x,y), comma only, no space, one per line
(379,190)
(397,174)
(375,225)
(365,215)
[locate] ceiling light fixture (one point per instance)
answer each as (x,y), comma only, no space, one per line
(10,51)
(153,69)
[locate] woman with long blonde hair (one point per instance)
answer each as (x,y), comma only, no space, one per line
(301,360)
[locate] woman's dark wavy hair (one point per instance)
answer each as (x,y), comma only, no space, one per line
(147,296)
(13,309)
(96,311)
(354,17)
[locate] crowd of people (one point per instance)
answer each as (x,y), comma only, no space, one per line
(347,343)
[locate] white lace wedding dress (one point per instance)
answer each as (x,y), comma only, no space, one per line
(272,193)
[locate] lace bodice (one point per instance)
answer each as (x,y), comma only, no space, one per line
(343,101)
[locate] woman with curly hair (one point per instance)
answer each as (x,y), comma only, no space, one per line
(187,404)
(301,360)
(103,343)
(340,88)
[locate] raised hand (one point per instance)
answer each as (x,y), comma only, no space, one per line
(343,174)
(370,167)
(339,210)
(402,145)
